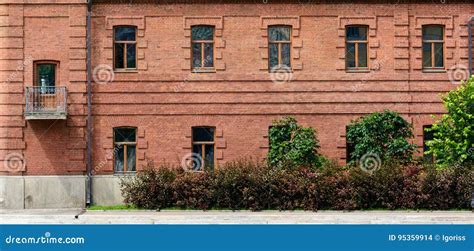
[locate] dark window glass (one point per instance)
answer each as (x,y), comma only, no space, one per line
(119,158)
(279,46)
(125,34)
(350,147)
(356,33)
(125,48)
(350,55)
(209,156)
(438,54)
(202,46)
(203,134)
(46,75)
(197,162)
(279,33)
(125,135)
(202,33)
(431,32)
(427,55)
(131,158)
(362,55)
(273,55)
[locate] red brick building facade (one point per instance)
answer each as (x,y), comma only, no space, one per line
(163,94)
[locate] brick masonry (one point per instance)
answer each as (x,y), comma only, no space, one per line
(164,99)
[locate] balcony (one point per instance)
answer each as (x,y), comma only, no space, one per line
(44,102)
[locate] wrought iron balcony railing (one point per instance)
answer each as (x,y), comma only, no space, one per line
(44,102)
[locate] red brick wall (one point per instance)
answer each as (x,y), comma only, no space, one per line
(164,99)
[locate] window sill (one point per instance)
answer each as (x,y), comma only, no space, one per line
(126,70)
(133,173)
(355,70)
(434,70)
(203,71)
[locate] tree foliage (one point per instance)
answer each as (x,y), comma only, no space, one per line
(382,133)
(292,144)
(454,133)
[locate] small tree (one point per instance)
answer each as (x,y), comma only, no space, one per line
(291,144)
(453,141)
(382,133)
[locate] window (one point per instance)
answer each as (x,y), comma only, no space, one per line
(203,146)
(428,135)
(433,47)
(279,46)
(202,44)
(45,76)
(125,149)
(356,47)
(125,47)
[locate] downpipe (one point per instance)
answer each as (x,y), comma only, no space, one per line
(89,106)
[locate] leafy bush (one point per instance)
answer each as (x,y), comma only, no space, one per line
(382,133)
(454,133)
(292,144)
(255,186)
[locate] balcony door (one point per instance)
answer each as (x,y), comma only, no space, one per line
(44,94)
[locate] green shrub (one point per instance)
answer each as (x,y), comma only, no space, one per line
(454,133)
(382,133)
(292,144)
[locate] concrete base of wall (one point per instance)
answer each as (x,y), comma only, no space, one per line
(106,190)
(30,192)
(35,192)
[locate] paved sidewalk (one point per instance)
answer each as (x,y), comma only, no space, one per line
(80,216)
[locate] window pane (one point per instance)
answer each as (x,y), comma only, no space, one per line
(354,33)
(124,134)
(209,158)
(279,33)
(131,56)
(209,55)
(119,62)
(202,33)
(197,55)
(119,158)
(350,55)
(432,32)
(125,34)
(131,158)
(428,135)
(285,54)
(196,162)
(46,75)
(427,55)
(273,55)
(438,47)
(362,60)
(203,134)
